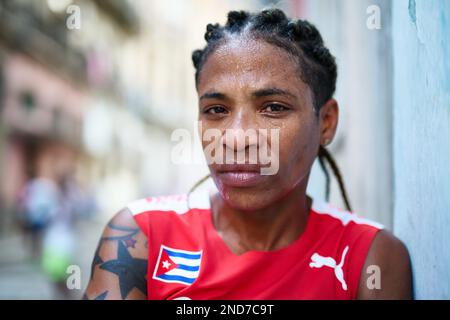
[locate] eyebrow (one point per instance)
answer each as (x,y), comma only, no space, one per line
(272,92)
(213,95)
(258,94)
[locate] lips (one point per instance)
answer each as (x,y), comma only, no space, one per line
(239,175)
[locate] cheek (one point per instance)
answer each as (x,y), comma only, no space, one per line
(297,148)
(206,133)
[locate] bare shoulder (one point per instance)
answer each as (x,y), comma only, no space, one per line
(387,270)
(119,266)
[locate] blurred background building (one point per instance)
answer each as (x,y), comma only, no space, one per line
(94,102)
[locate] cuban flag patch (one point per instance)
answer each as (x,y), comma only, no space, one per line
(179,266)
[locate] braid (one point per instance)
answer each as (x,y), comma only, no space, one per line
(213,32)
(236,20)
(325,155)
(270,21)
(317,66)
(327,176)
(195,186)
(198,183)
(196,57)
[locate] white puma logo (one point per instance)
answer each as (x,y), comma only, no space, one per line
(317,261)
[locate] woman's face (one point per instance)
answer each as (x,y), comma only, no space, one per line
(250,84)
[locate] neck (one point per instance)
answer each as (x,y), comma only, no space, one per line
(271,228)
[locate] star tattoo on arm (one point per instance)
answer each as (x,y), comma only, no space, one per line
(120,261)
(131,271)
(126,238)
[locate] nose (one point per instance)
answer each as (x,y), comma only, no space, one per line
(241,135)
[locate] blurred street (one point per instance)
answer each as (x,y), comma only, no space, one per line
(22,278)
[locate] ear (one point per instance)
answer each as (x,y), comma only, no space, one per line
(329,116)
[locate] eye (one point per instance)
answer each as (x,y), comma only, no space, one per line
(274,108)
(215,110)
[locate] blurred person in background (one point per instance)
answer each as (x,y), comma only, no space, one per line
(47,213)
(38,204)
(59,239)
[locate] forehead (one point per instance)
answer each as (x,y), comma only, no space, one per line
(250,64)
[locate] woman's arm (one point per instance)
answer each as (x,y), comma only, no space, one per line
(119,267)
(389,256)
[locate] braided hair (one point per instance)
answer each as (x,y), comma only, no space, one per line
(317,66)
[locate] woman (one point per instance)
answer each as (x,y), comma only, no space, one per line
(260,236)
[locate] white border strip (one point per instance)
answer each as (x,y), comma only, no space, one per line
(344,216)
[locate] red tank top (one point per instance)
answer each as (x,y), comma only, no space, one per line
(187,259)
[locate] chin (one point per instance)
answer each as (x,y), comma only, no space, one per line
(247,199)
